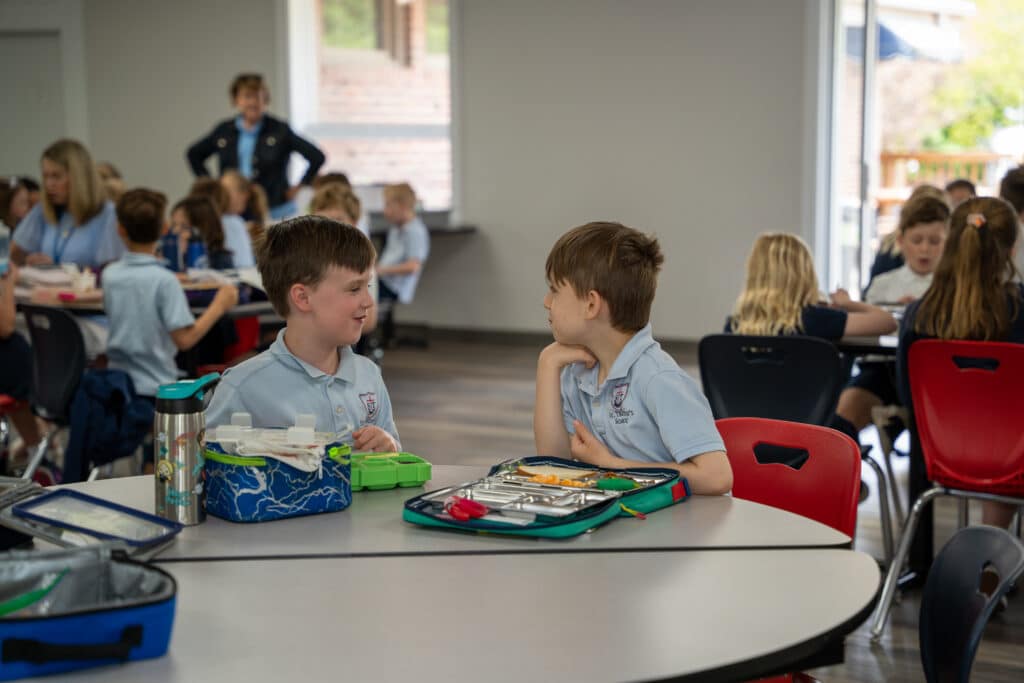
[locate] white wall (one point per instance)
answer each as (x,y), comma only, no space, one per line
(691,119)
(687,119)
(158,75)
(44,94)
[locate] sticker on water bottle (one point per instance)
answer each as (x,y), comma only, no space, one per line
(164,470)
(179,498)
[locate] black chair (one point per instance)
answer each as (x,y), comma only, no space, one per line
(58,354)
(792,378)
(781,378)
(954,611)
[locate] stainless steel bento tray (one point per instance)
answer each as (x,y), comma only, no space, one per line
(510,494)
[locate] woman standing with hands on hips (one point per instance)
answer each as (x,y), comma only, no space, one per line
(257,145)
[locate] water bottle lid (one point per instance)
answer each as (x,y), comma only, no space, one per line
(185,396)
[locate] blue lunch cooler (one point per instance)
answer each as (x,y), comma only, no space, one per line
(258,475)
(83,607)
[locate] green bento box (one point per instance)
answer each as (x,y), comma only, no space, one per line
(379,471)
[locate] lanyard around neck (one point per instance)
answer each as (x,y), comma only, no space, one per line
(60,242)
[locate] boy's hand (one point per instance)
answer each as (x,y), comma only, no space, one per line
(559,355)
(585,447)
(373,439)
(226,298)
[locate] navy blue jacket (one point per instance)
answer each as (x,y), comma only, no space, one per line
(274,148)
(108,421)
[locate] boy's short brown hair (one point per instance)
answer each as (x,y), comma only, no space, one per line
(249,81)
(619,263)
(923,209)
(401,193)
(301,250)
(1012,188)
(212,190)
(141,213)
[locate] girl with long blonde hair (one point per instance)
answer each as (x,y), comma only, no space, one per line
(74,222)
(781,297)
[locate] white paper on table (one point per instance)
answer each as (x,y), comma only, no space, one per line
(33,276)
(251,277)
(210,275)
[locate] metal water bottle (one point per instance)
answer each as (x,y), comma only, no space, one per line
(180,428)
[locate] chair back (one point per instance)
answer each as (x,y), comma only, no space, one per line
(782,378)
(58,355)
(968,401)
(953,611)
(805,469)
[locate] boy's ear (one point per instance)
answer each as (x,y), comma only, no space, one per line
(298,297)
(122,233)
(595,303)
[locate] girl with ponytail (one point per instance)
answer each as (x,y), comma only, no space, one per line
(975,295)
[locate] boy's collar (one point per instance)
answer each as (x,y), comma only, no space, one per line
(345,371)
(631,352)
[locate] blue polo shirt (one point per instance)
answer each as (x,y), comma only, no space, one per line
(647,409)
(276,386)
(92,244)
(409,241)
(236,240)
(144,303)
(247,138)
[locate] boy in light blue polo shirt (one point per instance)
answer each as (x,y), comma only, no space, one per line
(606,392)
(406,248)
(150,320)
(316,273)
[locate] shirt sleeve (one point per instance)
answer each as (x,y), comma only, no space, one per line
(417,243)
(683,416)
(226,401)
(826,323)
(29,233)
(109,246)
(236,238)
(172,306)
(310,153)
(385,418)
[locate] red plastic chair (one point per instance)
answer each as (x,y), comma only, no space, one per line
(968,398)
(248,331)
(808,470)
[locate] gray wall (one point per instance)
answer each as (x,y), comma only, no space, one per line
(685,119)
(691,119)
(158,74)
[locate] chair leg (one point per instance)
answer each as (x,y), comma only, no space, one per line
(881,416)
(894,489)
(892,576)
(94,474)
(961,513)
(37,457)
(883,504)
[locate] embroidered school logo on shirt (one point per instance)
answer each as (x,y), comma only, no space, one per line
(370,403)
(619,415)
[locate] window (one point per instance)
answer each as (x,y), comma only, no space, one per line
(924,97)
(383,93)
